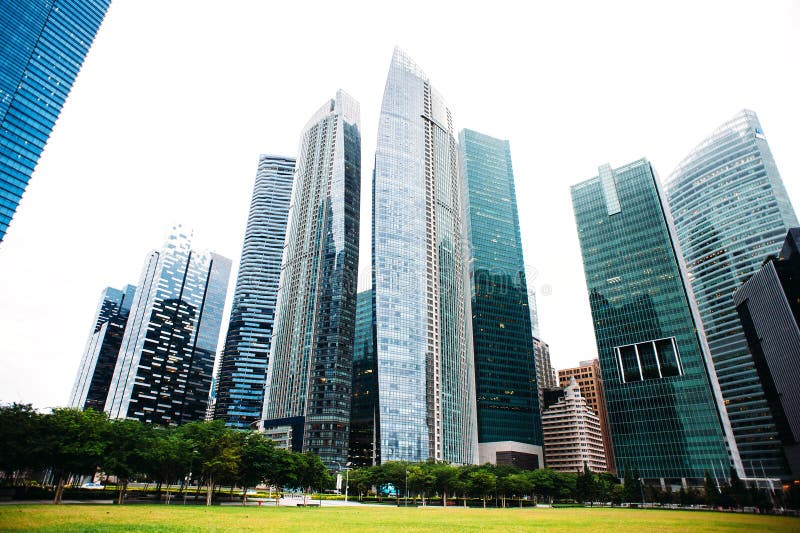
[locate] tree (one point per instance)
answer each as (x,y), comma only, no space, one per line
(361,480)
(737,490)
(545,482)
(219,451)
(127,443)
(517,485)
(445,475)
(311,472)
(711,491)
(482,483)
(20,439)
(258,461)
(585,485)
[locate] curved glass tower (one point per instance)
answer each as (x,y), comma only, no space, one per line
(243,367)
(426,384)
(731,210)
(311,357)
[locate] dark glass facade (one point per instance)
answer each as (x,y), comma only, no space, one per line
(102,348)
(242,370)
(768,305)
(364,409)
(505,366)
(42,46)
(664,406)
(311,357)
(163,373)
(731,210)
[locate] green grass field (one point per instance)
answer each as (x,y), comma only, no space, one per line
(68,518)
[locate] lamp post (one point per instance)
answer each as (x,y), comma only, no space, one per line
(406,502)
(347,479)
(189,476)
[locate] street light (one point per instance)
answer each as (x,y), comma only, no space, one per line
(406,503)
(347,466)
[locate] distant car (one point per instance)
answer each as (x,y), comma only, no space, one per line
(93,485)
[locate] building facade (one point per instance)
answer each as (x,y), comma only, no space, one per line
(102,348)
(730,210)
(364,448)
(421,301)
(572,436)
(505,365)
(242,372)
(588,377)
(545,374)
(665,412)
(311,357)
(768,305)
(44,45)
(164,369)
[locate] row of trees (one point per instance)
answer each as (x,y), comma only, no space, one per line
(70,442)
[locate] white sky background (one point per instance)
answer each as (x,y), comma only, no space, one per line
(177,99)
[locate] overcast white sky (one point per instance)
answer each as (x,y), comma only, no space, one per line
(177,99)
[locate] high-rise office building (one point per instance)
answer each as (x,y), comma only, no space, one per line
(505,365)
(664,408)
(572,435)
(545,374)
(588,377)
(534,310)
(364,449)
(311,357)
(164,369)
(768,305)
(102,348)
(426,383)
(730,210)
(242,373)
(43,47)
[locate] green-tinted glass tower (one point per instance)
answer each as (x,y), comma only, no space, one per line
(664,404)
(505,370)
(364,449)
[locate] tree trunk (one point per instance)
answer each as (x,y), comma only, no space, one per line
(484,502)
(121,493)
(210,491)
(444,499)
(59,489)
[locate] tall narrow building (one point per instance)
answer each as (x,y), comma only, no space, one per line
(242,370)
(164,369)
(364,450)
(665,411)
(102,348)
(731,210)
(545,374)
(505,364)
(423,338)
(311,357)
(43,47)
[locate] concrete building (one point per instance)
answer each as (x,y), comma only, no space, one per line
(587,375)
(572,436)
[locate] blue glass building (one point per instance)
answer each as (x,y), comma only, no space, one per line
(42,46)
(505,365)
(102,348)
(166,361)
(242,371)
(664,407)
(423,338)
(731,210)
(311,356)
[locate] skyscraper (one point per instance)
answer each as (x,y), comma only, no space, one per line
(311,357)
(242,370)
(587,376)
(666,415)
(768,305)
(43,47)
(423,337)
(731,210)
(505,364)
(102,348)
(163,373)
(364,449)
(545,375)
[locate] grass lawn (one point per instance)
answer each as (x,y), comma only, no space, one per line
(67,518)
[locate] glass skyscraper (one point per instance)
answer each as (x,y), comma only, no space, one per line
(665,410)
(42,44)
(102,348)
(311,357)
(731,210)
(505,366)
(364,449)
(423,338)
(242,371)
(164,369)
